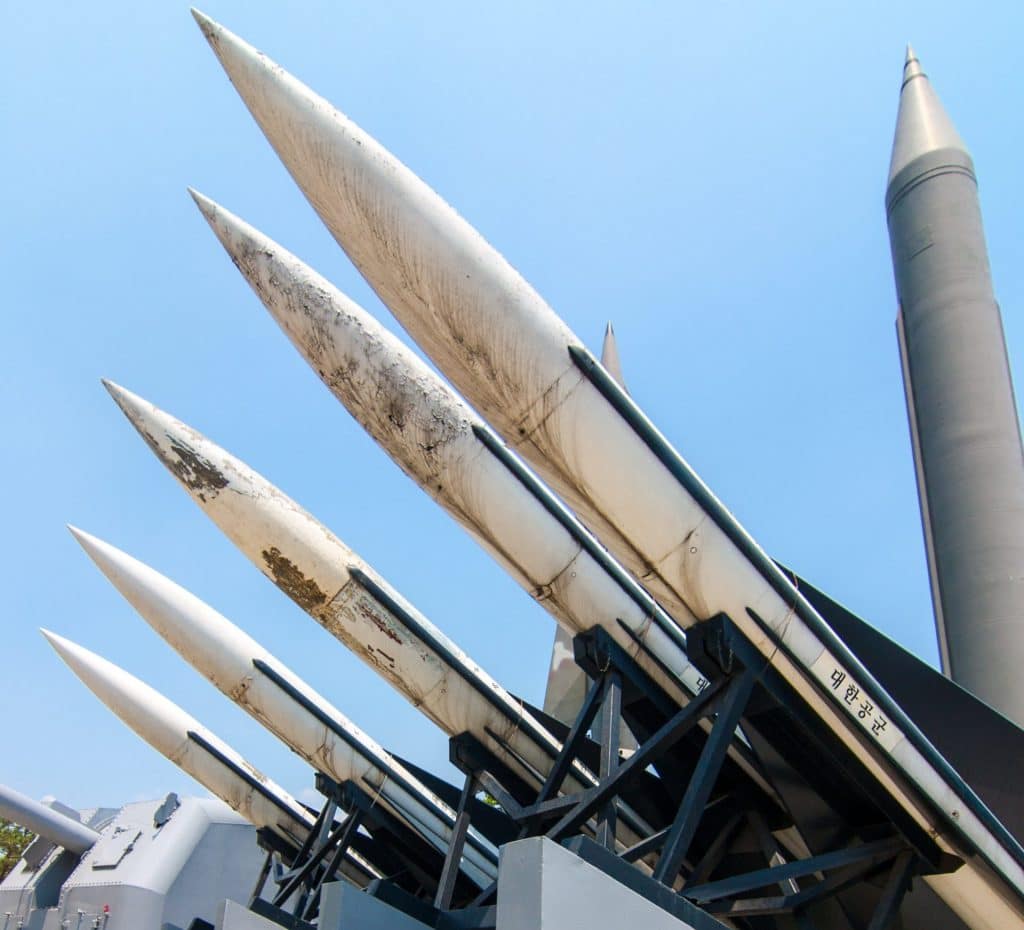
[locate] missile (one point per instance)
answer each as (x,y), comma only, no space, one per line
(57,827)
(198,752)
(434,271)
(187,743)
(521,367)
(963,418)
(450,452)
(272,694)
(347,596)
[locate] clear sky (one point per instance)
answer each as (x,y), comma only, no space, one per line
(708,176)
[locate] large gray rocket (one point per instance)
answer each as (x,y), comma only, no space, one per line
(963,418)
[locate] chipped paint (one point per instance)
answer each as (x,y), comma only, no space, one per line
(304,591)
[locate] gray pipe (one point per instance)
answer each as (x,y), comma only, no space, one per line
(963,416)
(45,821)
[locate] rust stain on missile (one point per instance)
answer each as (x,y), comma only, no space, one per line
(367,611)
(304,591)
(195,472)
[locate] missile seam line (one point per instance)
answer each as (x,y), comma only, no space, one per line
(649,434)
(247,777)
(948,160)
(524,721)
(386,768)
(571,525)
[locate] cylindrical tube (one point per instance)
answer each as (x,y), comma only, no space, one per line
(963,416)
(45,821)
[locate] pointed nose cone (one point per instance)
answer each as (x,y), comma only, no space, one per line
(207,640)
(610,356)
(301,302)
(379,381)
(922,124)
(157,720)
(304,559)
(177,445)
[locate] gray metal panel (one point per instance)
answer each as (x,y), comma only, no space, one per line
(963,413)
(233,916)
(544,887)
(343,907)
(149,877)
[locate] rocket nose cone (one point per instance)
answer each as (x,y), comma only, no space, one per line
(53,639)
(233,232)
(86,540)
(85,664)
(911,65)
(206,206)
(209,27)
(131,404)
(922,124)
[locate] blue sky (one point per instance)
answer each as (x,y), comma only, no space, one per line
(708,176)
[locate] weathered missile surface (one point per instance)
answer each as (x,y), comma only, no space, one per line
(185,742)
(444,446)
(963,417)
(344,594)
(511,357)
(444,283)
(58,828)
(275,696)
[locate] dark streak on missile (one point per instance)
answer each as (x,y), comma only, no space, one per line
(195,472)
(367,611)
(304,591)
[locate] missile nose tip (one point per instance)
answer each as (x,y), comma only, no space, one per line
(911,65)
(63,647)
(86,540)
(206,206)
(124,399)
(207,25)
(114,390)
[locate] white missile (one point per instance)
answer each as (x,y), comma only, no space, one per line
(444,446)
(511,356)
(347,597)
(450,452)
(271,693)
(195,750)
(444,283)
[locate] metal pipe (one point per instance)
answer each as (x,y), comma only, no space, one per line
(44,821)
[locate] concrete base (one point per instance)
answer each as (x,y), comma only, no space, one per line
(233,916)
(542,886)
(343,905)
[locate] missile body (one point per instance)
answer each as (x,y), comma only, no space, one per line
(347,597)
(963,417)
(434,271)
(188,744)
(450,452)
(444,446)
(58,828)
(521,367)
(276,697)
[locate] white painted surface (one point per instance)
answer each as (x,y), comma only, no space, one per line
(224,654)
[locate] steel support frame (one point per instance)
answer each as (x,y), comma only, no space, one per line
(733,675)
